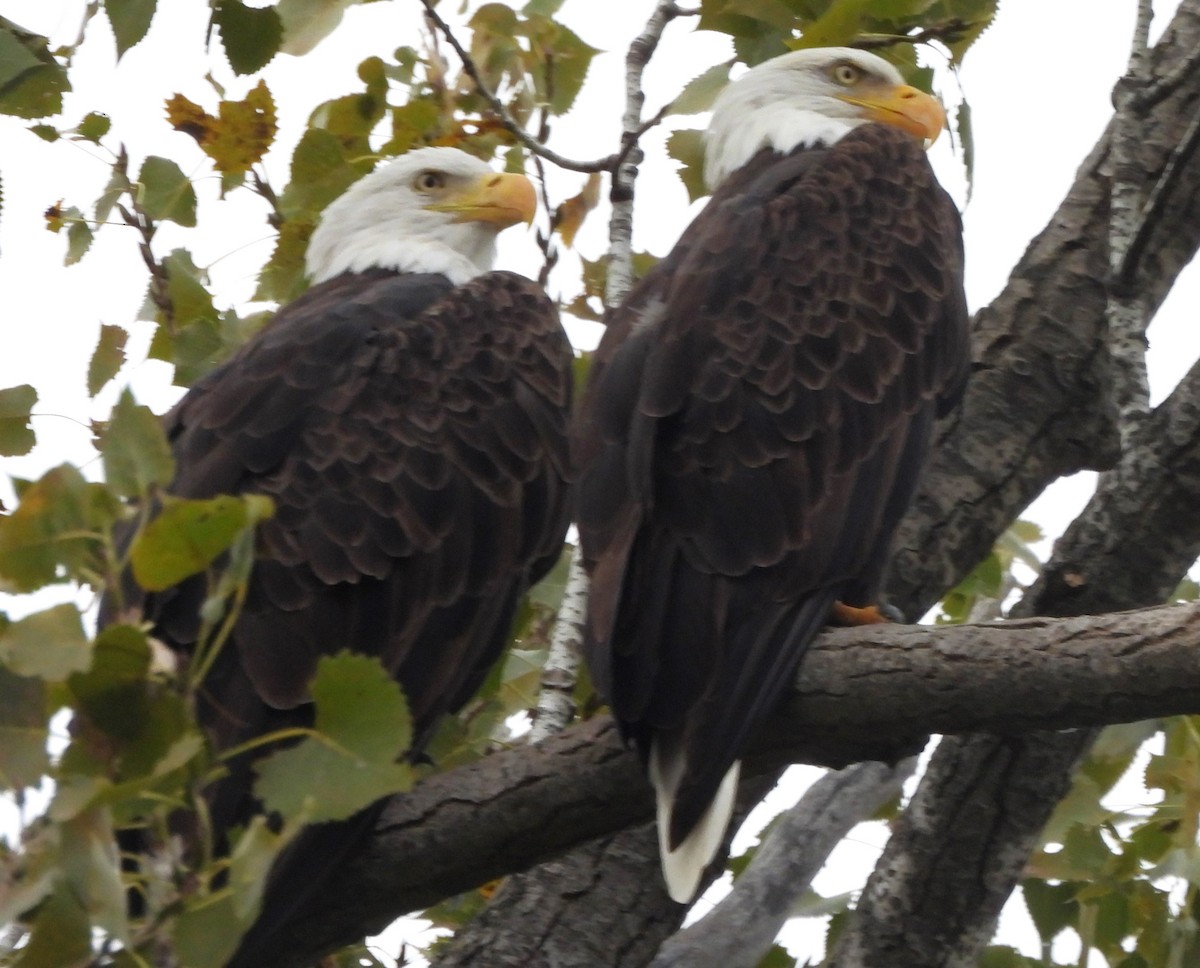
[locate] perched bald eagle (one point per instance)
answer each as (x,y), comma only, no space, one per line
(408,417)
(758,414)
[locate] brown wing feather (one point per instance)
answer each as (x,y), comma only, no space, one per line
(413,438)
(756,420)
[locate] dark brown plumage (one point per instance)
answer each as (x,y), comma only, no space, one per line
(757,417)
(412,434)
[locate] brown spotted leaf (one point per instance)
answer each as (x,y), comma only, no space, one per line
(569,216)
(238,136)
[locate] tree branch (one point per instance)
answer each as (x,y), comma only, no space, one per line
(502,112)
(740,929)
(1037,405)
(984,800)
(863,694)
(1126,315)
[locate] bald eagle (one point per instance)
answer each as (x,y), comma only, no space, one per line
(408,417)
(757,417)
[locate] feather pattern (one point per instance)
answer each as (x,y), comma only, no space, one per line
(412,436)
(758,412)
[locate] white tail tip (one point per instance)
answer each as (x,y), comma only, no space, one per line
(684,866)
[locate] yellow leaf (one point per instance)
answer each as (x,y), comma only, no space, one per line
(240,134)
(569,216)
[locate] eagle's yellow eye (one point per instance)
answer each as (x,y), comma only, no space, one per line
(846,74)
(429,181)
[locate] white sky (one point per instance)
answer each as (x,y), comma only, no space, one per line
(1039,89)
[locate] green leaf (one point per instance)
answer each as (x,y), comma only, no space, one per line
(560,62)
(250,864)
(135,450)
(363,726)
(50,644)
(107,358)
(777,956)
(202,932)
(316,783)
(966,139)
(23,731)
(251,35)
(61,936)
(15,57)
(321,171)
(700,92)
(92,868)
(32,82)
(166,192)
(25,887)
(687,147)
(16,404)
(57,525)
(307,22)
(413,124)
(130,21)
(79,236)
(1051,906)
(188,536)
(190,337)
(360,707)
(282,278)
(117,185)
(94,126)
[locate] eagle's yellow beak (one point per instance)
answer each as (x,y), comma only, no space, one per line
(502,199)
(903,107)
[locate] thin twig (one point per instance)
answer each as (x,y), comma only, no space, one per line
(502,112)
(1126,311)
(620,225)
(555,702)
(1181,155)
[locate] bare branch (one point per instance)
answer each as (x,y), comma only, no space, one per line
(556,704)
(740,929)
(620,226)
(1127,314)
(1150,213)
(502,112)
(985,799)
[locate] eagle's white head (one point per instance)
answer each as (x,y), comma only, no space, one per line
(811,97)
(431,210)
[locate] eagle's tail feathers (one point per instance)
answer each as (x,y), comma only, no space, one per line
(684,866)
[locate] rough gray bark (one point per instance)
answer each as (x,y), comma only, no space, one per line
(864,694)
(1037,406)
(556,903)
(743,926)
(984,800)
(978,810)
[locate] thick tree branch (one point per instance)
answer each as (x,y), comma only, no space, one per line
(863,694)
(1037,405)
(984,800)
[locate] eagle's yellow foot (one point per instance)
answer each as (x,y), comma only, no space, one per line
(851,615)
